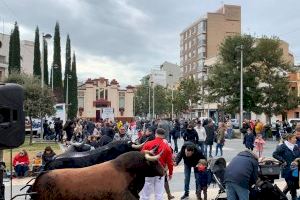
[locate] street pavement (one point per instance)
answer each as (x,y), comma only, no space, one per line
(231,149)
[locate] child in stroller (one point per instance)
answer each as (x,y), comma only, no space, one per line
(269,170)
(217,167)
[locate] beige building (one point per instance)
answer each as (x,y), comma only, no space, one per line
(27,48)
(201,40)
(98,95)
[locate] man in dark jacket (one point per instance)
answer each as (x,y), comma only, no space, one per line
(148,136)
(240,175)
(90,126)
(108,130)
(210,136)
(190,154)
(287,153)
(175,134)
(191,135)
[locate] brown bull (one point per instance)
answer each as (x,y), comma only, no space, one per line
(119,179)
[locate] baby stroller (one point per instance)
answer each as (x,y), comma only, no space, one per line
(217,167)
(269,170)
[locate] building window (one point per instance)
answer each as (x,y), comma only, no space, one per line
(97,94)
(80,102)
(106,94)
(297,115)
(0,75)
(121,99)
(101,93)
(2,59)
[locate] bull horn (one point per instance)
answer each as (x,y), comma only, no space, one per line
(138,146)
(153,158)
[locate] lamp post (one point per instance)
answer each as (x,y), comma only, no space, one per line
(172,109)
(241,48)
(153,103)
(54,66)
(44,40)
(67,95)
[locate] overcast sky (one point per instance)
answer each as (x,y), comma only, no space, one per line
(124,39)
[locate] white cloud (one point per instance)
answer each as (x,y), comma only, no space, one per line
(91,66)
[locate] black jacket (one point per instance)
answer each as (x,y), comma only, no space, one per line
(242,170)
(191,135)
(108,131)
(210,135)
(147,138)
(284,154)
(190,161)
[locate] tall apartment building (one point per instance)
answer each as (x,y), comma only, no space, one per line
(26,55)
(201,40)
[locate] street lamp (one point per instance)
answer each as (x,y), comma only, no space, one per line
(172,112)
(44,40)
(67,94)
(54,66)
(153,101)
(241,48)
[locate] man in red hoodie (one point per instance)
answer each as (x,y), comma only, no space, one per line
(165,160)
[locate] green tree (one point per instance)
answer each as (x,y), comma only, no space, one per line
(73,91)
(14,51)
(142,100)
(188,94)
(57,74)
(162,105)
(46,72)
(67,67)
(37,102)
(265,90)
(274,84)
(224,77)
(37,55)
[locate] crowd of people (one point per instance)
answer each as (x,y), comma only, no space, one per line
(199,138)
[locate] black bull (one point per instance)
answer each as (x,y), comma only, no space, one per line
(88,158)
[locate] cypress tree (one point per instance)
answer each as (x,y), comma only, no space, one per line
(37,55)
(46,72)
(73,91)
(67,67)
(15,57)
(57,75)
(10,52)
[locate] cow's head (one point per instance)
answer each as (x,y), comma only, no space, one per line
(141,163)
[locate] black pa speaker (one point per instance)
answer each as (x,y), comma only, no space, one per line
(12,120)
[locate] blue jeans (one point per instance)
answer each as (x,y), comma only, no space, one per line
(187,176)
(229,133)
(201,146)
(219,146)
(21,170)
(175,145)
(205,150)
(236,192)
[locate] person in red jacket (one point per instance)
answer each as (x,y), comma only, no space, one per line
(161,147)
(21,163)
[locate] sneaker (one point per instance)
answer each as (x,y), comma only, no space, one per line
(185,196)
(171,197)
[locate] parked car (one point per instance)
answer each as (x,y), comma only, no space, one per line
(235,123)
(291,121)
